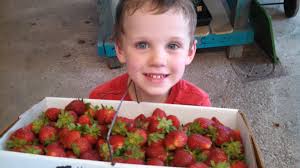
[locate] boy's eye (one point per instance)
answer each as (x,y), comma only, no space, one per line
(142,45)
(173,46)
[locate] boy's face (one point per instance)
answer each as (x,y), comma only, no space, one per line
(156,49)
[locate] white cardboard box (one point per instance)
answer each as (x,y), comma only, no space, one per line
(230,117)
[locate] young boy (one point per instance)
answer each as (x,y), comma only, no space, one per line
(155,39)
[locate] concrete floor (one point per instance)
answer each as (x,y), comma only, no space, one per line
(48,48)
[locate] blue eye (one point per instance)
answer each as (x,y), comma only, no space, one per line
(173,46)
(142,45)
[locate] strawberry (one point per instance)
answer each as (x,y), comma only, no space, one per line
(134,152)
(33,149)
(159,113)
(141,122)
(119,160)
(238,164)
(84,120)
(134,161)
(175,120)
(223,134)
(155,139)
(204,122)
(234,150)
(161,125)
(69,138)
(236,135)
(122,126)
(47,135)
(90,155)
(183,158)
(20,137)
(66,119)
(56,150)
(157,152)
(37,124)
(154,161)
(105,115)
(80,146)
(198,165)
(117,141)
(70,154)
(175,139)
(197,141)
(52,113)
(216,156)
(216,121)
(136,137)
(77,106)
(103,149)
(91,133)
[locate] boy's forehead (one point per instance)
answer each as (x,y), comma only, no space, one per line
(144,20)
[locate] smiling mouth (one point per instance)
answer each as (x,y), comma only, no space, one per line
(156,76)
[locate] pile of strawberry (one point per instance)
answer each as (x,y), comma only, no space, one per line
(79,131)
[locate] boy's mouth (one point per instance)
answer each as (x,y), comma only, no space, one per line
(156,76)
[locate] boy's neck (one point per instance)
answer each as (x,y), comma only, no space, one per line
(137,95)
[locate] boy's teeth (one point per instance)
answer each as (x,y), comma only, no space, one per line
(156,76)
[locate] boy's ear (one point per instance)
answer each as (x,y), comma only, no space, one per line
(120,52)
(191,53)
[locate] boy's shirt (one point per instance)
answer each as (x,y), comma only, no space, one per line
(182,93)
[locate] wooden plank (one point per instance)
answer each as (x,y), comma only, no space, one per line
(220,23)
(202,31)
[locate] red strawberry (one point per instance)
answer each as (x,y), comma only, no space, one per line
(117,141)
(204,122)
(217,122)
(238,164)
(70,154)
(197,141)
(183,158)
(141,122)
(198,165)
(161,125)
(159,113)
(103,149)
(122,126)
(156,151)
(91,138)
(69,138)
(223,134)
(90,155)
(216,155)
(84,120)
(105,115)
(66,119)
(236,135)
(20,137)
(81,145)
(135,152)
(175,139)
(47,135)
(154,161)
(56,150)
(52,113)
(137,137)
(33,149)
(77,106)
(134,161)
(155,139)
(91,112)
(119,160)
(175,120)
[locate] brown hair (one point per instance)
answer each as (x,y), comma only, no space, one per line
(129,7)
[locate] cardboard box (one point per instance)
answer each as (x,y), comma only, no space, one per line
(230,117)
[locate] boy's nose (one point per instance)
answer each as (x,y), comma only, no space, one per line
(158,57)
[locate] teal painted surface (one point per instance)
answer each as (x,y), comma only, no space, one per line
(241,37)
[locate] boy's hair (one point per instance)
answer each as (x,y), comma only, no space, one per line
(129,7)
